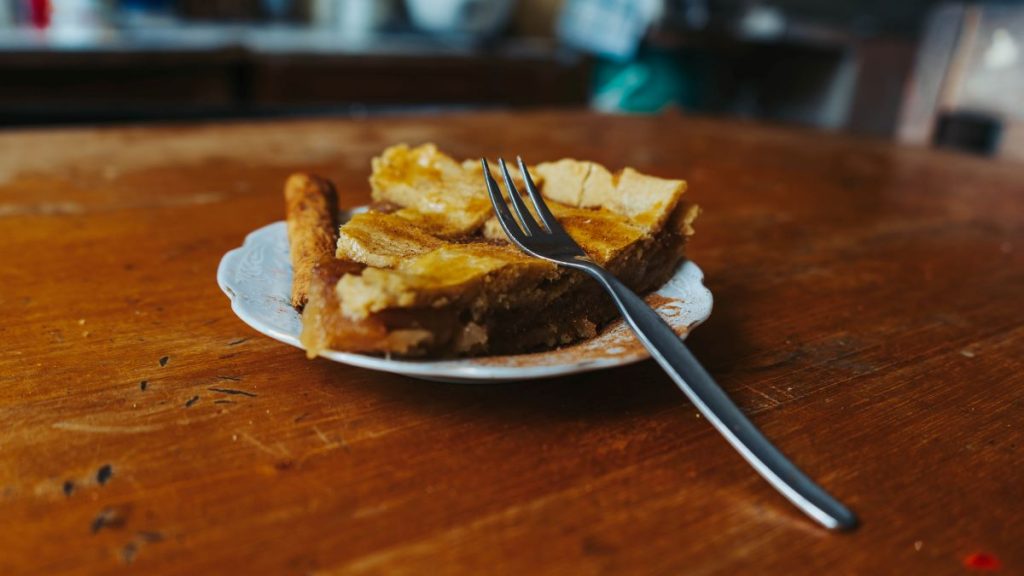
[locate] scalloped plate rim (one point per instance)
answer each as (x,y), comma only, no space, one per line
(461,370)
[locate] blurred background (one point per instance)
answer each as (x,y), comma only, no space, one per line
(915,71)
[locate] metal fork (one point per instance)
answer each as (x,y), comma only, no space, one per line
(551,242)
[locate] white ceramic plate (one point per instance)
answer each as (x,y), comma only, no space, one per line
(257,278)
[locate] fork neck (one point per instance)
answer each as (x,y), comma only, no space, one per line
(585,264)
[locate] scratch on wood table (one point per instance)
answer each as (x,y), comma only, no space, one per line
(106,429)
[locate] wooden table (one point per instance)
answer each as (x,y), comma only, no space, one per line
(869,316)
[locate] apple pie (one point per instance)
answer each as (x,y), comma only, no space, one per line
(427,270)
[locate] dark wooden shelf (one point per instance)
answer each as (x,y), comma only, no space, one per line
(237,71)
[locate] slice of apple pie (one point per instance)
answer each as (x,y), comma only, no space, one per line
(427,271)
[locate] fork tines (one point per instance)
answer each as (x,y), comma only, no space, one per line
(529,226)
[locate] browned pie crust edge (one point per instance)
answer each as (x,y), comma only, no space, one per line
(312,215)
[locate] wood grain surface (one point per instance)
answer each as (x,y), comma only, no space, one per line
(869,316)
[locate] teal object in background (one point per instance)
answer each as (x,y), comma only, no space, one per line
(644,85)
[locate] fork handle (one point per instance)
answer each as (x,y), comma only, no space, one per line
(709,398)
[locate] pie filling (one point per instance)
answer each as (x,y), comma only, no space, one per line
(430,273)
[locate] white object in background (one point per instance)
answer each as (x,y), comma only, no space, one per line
(611,28)
(762,23)
(361,19)
(77,22)
(356,20)
(6,14)
(1002,52)
(258,278)
(324,13)
(472,17)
